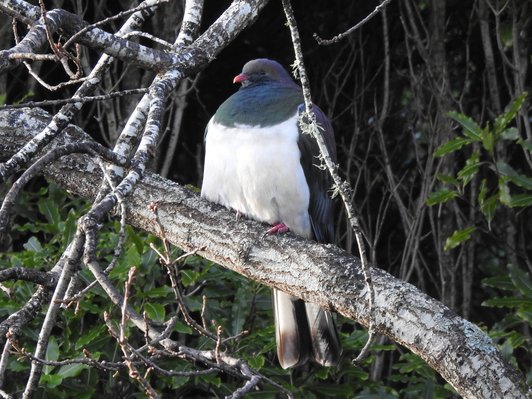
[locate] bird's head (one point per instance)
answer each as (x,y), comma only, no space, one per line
(262,70)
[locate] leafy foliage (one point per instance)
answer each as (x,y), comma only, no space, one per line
(232,301)
(496,174)
(511,332)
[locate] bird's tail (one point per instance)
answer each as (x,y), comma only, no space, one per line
(326,347)
(303,330)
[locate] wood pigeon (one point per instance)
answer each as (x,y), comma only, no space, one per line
(259,163)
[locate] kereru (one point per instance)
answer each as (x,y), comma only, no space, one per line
(260,164)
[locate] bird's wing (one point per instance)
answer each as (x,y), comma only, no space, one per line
(318,178)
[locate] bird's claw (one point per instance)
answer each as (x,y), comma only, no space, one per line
(276,229)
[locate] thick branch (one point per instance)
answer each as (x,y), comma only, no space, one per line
(324,274)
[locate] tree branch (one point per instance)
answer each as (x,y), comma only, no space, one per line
(318,273)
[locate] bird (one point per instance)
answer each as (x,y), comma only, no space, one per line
(260,164)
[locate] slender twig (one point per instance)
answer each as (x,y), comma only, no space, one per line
(122,14)
(309,125)
(151,37)
(87,360)
(229,365)
(32,57)
(62,54)
(4,360)
(250,385)
(40,57)
(340,36)
(217,350)
(123,342)
(103,97)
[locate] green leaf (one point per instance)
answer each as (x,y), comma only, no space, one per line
(451,146)
(69,227)
(501,282)
(441,196)
(521,280)
(240,309)
(471,128)
(50,210)
(71,370)
(322,373)
(526,144)
(509,113)
(189,277)
(518,179)
(51,380)
(488,141)
(458,237)
(525,315)
(182,328)
(33,244)
(158,292)
(482,192)
(518,200)
(507,302)
(133,256)
(135,238)
(447,179)
(257,362)
(487,205)
(510,134)
(90,336)
(470,169)
(504,192)
(155,311)
(52,354)
(488,208)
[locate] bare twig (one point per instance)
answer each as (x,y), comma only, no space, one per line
(150,5)
(229,365)
(62,55)
(309,125)
(103,97)
(340,36)
(87,360)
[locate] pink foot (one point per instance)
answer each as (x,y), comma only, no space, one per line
(277,229)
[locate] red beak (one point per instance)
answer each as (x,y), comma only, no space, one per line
(240,78)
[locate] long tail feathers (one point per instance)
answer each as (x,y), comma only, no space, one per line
(326,347)
(303,330)
(291,330)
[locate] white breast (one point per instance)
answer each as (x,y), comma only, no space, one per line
(257,172)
